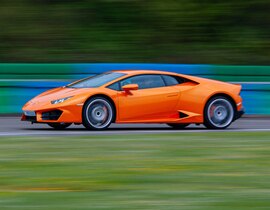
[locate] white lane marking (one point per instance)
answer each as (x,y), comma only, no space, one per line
(87,133)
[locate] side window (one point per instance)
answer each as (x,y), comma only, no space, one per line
(114,86)
(144,81)
(171,80)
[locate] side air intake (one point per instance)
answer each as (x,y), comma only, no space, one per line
(182,115)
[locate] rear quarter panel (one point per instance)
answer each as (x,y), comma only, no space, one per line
(194,98)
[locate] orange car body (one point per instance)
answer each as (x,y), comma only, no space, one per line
(154,105)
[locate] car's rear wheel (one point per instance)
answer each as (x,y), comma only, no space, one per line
(219,113)
(178,125)
(59,126)
(98,113)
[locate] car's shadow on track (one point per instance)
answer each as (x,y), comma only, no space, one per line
(120,129)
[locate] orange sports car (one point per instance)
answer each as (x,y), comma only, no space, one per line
(138,96)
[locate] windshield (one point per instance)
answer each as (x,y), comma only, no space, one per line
(96,81)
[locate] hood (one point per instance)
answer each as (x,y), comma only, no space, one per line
(58,93)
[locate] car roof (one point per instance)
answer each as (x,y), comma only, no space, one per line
(135,72)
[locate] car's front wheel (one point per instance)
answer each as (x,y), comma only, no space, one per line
(98,113)
(59,126)
(219,113)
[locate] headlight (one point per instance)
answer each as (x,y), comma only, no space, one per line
(61,100)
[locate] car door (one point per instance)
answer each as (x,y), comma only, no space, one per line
(152,101)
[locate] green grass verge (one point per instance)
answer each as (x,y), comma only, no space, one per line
(229,171)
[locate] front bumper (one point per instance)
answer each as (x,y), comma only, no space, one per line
(29,116)
(64,114)
(32,119)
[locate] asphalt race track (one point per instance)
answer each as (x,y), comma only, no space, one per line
(12,126)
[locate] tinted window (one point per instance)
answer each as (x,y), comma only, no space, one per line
(144,81)
(170,80)
(114,86)
(173,80)
(96,81)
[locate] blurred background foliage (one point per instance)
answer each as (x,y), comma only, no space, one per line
(171,31)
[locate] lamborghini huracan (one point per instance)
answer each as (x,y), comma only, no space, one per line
(138,96)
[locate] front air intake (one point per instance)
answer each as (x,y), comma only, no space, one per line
(51,115)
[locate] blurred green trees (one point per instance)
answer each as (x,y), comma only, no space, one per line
(171,31)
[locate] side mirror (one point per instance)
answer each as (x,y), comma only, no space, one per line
(128,88)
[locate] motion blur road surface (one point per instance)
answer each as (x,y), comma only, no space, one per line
(12,126)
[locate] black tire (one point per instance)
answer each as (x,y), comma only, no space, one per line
(178,125)
(219,113)
(98,113)
(59,126)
